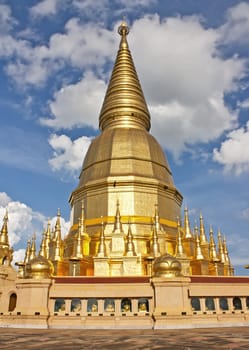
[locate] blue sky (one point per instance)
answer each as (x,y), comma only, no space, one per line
(192,58)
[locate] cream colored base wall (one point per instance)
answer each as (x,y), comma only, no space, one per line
(127,302)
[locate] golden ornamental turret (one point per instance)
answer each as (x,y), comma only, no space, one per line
(228,268)
(56,243)
(77,251)
(4,238)
(222,256)
(43,251)
(130,248)
(187,229)
(102,249)
(179,252)
(198,252)
(33,248)
(155,249)
(6,252)
(212,246)
(27,252)
(203,239)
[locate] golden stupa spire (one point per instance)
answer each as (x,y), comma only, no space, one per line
(179,252)
(57,229)
(78,244)
(117,222)
(102,249)
(212,252)
(47,240)
(124,104)
(221,248)
(155,250)
(187,229)
(82,220)
(4,239)
(42,250)
(227,258)
(27,253)
(198,253)
(33,248)
(203,237)
(130,249)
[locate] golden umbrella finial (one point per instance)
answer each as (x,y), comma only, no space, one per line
(123,29)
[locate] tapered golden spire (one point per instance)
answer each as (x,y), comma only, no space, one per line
(227,258)
(221,248)
(179,247)
(102,249)
(42,250)
(155,250)
(198,252)
(124,104)
(78,245)
(130,249)
(212,245)
(117,222)
(27,253)
(57,229)
(203,237)
(187,229)
(33,248)
(4,239)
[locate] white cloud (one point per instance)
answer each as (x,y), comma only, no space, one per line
(244,104)
(6,19)
(77,104)
(68,154)
(184,80)
(45,8)
(23,222)
(4,199)
(234,151)
(236,29)
(245,214)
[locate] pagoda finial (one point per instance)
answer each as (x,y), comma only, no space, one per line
(155,250)
(78,245)
(27,253)
(124,97)
(4,239)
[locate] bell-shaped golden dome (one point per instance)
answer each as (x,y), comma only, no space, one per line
(39,268)
(167,266)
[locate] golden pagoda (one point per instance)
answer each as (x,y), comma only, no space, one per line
(128,261)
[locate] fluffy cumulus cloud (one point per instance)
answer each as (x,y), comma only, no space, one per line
(236,28)
(68,154)
(77,104)
(184,79)
(45,8)
(24,222)
(233,153)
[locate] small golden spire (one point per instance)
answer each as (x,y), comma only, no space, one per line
(4,239)
(130,249)
(82,227)
(47,239)
(155,250)
(78,245)
(102,249)
(198,252)
(203,237)
(124,97)
(57,230)
(227,258)
(221,248)
(33,248)
(212,252)
(179,252)
(187,229)
(117,222)
(42,250)
(27,253)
